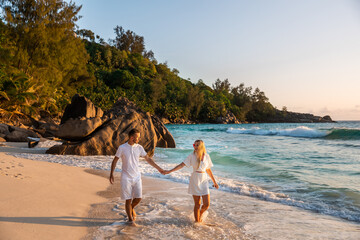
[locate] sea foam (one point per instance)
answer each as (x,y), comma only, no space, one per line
(301,131)
(226,184)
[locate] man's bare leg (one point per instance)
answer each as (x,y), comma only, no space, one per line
(134,202)
(129,210)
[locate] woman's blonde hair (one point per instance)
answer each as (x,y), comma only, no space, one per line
(200,152)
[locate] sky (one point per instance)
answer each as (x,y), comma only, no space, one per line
(304,54)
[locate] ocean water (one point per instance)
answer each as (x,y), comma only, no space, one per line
(286,181)
(310,166)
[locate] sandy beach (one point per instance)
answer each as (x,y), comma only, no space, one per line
(42,200)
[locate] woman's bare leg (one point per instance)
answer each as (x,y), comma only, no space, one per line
(197,202)
(205,205)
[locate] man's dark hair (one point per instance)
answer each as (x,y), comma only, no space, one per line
(133,132)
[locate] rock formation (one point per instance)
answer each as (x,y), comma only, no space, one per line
(228,118)
(16,134)
(97,135)
(292,117)
(81,107)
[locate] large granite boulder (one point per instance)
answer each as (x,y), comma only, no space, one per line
(103,135)
(123,107)
(165,139)
(4,129)
(21,134)
(43,123)
(77,129)
(17,134)
(45,129)
(81,107)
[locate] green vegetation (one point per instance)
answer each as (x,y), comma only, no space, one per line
(45,60)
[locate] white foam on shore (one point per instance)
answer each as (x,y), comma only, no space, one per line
(226,184)
(171,217)
(301,131)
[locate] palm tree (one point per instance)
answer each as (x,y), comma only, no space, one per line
(17,94)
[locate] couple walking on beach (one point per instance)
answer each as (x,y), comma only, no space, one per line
(131,185)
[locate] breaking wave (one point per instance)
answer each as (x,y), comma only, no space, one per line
(302,131)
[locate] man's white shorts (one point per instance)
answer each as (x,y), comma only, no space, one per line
(131,188)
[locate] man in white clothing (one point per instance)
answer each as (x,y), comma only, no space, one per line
(131,185)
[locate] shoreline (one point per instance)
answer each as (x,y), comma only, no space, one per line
(242,217)
(157,194)
(166,211)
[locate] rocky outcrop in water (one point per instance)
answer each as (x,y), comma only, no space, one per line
(292,117)
(228,118)
(102,135)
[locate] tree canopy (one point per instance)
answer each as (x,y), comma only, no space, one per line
(45,59)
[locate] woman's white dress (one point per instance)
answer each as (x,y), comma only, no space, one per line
(198,184)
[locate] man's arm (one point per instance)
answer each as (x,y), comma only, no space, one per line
(180,166)
(113,165)
(152,163)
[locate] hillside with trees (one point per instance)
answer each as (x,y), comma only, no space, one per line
(45,59)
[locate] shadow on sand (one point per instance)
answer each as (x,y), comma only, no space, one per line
(61,221)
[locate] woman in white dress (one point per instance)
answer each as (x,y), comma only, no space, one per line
(198,185)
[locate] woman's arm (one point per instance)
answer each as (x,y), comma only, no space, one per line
(152,163)
(209,172)
(180,166)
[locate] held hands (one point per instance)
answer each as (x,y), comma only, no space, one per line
(167,172)
(216,186)
(164,172)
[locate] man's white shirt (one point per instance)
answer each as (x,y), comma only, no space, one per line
(129,155)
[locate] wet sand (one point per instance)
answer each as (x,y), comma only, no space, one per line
(165,212)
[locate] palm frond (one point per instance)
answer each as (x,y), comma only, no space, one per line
(4,95)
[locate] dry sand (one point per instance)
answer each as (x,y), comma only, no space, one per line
(41,200)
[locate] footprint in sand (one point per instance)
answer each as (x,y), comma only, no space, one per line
(19,176)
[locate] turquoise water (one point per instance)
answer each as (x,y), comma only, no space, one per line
(310,166)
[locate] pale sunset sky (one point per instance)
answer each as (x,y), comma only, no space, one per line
(304,54)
